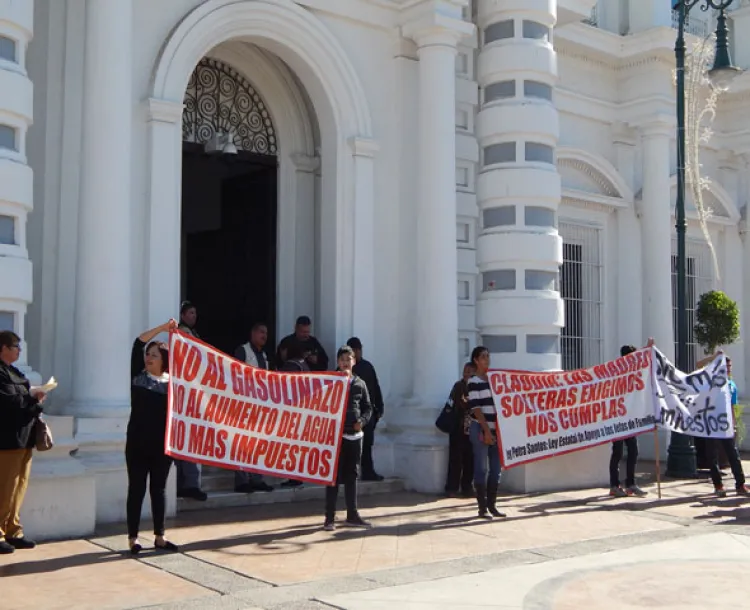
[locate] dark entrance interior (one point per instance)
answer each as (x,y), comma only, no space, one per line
(228,261)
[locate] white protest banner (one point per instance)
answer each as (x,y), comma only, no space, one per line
(541,415)
(225,413)
(696,404)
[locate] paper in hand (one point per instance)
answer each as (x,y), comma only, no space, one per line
(47,387)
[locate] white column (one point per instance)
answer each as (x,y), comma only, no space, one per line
(164,222)
(741,21)
(647,14)
(656,234)
(363,323)
(436,337)
(519,251)
(103,296)
(303,224)
(16,177)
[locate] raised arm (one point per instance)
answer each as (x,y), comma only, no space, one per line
(137,361)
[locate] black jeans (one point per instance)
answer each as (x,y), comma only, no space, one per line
(460,462)
(156,468)
(368,467)
(349,462)
(733,455)
(614,462)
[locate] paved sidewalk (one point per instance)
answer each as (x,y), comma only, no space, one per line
(555,551)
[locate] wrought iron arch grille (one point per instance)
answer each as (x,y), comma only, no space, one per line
(219,99)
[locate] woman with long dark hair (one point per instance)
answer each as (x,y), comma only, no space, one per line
(144,445)
(483,434)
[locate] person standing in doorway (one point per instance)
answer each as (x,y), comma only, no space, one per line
(188,319)
(316,356)
(483,434)
(730,449)
(20,406)
(631,489)
(366,372)
(460,453)
(253,353)
(189,473)
(358,413)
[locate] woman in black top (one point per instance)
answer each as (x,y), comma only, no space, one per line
(144,445)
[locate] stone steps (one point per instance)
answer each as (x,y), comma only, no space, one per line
(222,496)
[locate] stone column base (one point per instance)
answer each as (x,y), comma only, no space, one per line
(101,452)
(61,499)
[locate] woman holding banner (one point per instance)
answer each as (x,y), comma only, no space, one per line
(483,434)
(144,444)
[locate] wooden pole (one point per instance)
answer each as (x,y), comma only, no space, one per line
(658,465)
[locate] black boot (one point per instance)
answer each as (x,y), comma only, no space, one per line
(482,500)
(492,499)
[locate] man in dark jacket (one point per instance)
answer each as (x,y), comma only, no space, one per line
(314,354)
(358,413)
(19,409)
(365,371)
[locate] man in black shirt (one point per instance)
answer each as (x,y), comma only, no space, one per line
(315,355)
(365,371)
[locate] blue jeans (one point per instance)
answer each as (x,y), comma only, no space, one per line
(482,454)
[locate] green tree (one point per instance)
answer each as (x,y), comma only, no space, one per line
(718,321)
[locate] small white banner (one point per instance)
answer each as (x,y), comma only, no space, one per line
(697,403)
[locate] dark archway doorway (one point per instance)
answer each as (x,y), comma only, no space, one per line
(229,206)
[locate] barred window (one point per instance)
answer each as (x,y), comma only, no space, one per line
(581,289)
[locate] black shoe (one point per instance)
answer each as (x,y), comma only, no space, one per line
(245,488)
(491,500)
(373,476)
(135,548)
(481,491)
(193,493)
(358,521)
(262,486)
(20,543)
(291,483)
(166,546)
(5,548)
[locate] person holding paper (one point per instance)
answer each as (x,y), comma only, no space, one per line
(144,440)
(20,405)
(358,413)
(483,433)
(730,448)
(631,489)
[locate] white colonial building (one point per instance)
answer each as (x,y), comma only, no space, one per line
(426,174)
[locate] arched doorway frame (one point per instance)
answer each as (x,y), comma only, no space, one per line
(295,36)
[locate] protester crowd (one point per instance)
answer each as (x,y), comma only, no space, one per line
(469,418)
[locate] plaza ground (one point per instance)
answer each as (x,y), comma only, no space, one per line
(556,551)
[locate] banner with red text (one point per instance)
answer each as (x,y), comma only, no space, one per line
(225,413)
(540,415)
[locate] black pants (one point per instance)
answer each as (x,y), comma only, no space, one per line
(368,467)
(156,468)
(614,462)
(460,462)
(733,455)
(349,462)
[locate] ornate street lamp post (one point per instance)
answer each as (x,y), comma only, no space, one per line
(681,462)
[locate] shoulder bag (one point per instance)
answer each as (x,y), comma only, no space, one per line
(42,435)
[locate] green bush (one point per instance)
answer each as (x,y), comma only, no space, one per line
(718,321)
